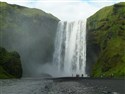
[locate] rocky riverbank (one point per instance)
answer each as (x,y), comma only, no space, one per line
(78,86)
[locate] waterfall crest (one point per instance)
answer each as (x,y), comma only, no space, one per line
(70,48)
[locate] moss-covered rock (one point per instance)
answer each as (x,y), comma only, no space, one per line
(10,64)
(106,41)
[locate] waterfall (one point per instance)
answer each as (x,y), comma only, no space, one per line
(70,48)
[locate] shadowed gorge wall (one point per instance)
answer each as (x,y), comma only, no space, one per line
(106,42)
(31,32)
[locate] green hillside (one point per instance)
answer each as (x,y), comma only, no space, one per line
(29,31)
(106,38)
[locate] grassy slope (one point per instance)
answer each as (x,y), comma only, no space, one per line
(26,30)
(107,27)
(29,31)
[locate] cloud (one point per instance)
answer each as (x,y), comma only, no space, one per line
(103,3)
(66,9)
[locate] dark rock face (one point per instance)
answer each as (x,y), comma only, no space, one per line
(10,64)
(29,31)
(106,42)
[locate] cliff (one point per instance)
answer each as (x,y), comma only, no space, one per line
(10,64)
(106,42)
(29,31)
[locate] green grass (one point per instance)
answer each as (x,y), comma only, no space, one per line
(10,64)
(4,74)
(108,29)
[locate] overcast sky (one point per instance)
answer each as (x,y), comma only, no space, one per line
(66,9)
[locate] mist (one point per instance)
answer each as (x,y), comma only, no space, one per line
(30,32)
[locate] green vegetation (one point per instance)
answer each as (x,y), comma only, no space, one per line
(29,31)
(107,31)
(10,64)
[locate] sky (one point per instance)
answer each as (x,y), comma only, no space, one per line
(66,10)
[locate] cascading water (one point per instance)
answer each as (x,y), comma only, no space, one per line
(70,48)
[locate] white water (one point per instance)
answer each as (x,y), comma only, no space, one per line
(70,48)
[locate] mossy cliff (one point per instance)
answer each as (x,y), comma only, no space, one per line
(29,31)
(106,42)
(10,64)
